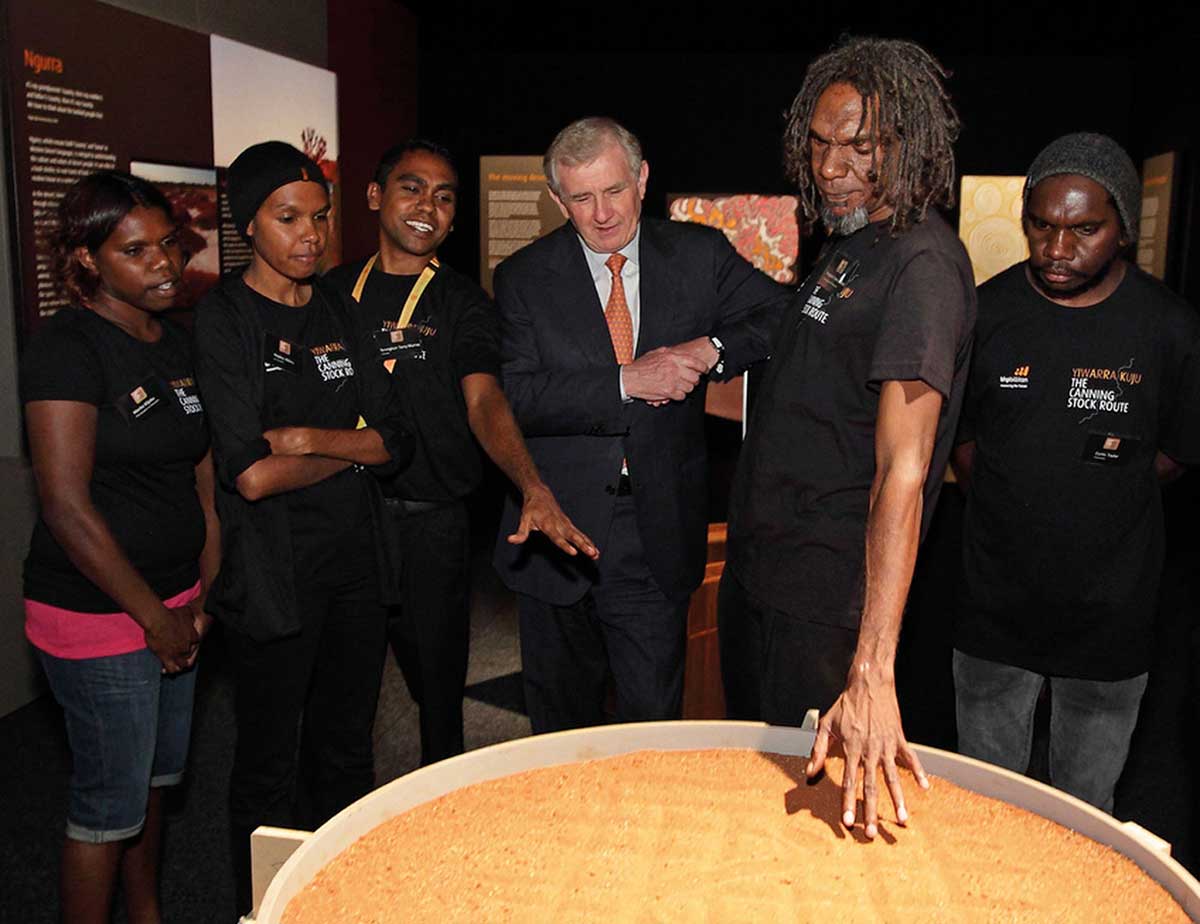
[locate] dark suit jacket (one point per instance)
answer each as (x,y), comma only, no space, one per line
(561,376)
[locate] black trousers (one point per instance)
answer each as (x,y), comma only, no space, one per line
(305,709)
(430,631)
(623,627)
(775,666)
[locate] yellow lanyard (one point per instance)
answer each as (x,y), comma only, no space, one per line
(410,304)
(418,289)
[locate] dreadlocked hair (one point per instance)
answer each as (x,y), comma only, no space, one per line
(908,112)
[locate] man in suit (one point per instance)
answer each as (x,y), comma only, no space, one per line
(610,326)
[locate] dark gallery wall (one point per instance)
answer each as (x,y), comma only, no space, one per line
(706,91)
(713,124)
(1168,104)
(706,87)
(373,49)
(295,28)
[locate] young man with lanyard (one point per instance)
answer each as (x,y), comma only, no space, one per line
(436,332)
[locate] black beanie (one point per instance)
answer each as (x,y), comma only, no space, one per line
(1101,160)
(260,170)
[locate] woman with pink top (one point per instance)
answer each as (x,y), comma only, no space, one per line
(126,542)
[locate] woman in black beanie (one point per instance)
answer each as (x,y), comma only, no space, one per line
(296,410)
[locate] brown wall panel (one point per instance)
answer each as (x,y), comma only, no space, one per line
(373,50)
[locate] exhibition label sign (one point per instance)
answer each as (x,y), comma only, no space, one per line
(515,209)
(92,87)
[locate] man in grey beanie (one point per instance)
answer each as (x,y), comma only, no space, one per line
(1082,399)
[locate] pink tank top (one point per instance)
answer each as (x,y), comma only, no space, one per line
(74,636)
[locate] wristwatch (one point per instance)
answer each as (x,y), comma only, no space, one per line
(718,368)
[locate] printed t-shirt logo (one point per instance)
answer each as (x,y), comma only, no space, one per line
(187,395)
(1019,378)
(332,362)
(1099,389)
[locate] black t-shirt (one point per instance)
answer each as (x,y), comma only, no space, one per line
(1063,536)
(875,308)
(308,382)
(453,333)
(150,434)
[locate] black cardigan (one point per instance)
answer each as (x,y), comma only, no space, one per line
(255,591)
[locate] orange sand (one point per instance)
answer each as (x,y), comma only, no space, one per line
(719,835)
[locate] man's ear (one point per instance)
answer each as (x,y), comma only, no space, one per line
(557,201)
(374,196)
(643,176)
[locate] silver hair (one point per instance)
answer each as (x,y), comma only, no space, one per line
(582,141)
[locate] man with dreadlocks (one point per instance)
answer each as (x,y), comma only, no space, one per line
(854,421)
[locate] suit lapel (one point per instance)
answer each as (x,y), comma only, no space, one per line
(656,301)
(582,313)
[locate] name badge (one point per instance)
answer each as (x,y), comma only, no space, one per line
(1109,449)
(405,343)
(834,281)
(280,355)
(141,401)
(838,274)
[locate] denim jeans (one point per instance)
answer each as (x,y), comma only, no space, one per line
(129,725)
(1091,723)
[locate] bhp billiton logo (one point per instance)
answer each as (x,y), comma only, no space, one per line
(1018,379)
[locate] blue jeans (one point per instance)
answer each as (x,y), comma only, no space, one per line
(1091,723)
(128,725)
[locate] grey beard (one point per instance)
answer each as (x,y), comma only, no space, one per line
(845,225)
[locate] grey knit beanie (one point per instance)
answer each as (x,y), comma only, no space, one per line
(1098,158)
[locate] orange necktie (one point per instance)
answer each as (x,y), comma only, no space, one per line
(616,312)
